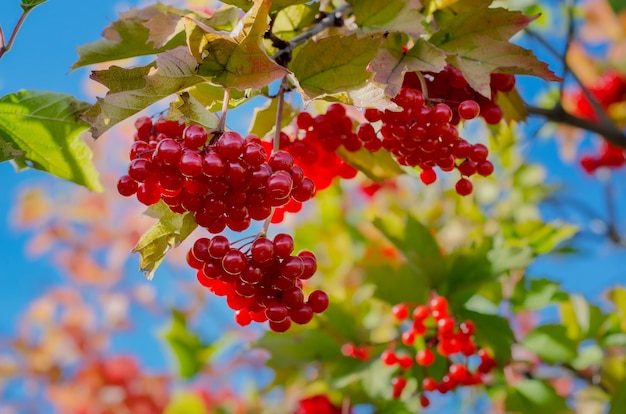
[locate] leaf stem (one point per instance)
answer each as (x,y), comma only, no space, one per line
(5,48)
(222,124)
(423,85)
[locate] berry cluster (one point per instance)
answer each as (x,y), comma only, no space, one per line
(261,280)
(441,337)
(423,135)
(224,179)
(451,87)
(608,90)
(314,151)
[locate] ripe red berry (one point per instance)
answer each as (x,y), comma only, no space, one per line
(400,311)
(464,187)
(428,176)
(469,109)
(318,300)
(424,357)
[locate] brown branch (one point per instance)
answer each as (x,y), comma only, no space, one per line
(607,129)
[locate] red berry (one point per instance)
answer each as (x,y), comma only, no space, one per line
(318,300)
(464,187)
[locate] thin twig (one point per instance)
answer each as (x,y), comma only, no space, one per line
(283,56)
(5,48)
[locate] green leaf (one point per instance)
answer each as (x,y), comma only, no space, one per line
(538,294)
(492,331)
(392,62)
(186,403)
(512,105)
(299,348)
(9,151)
(138,32)
(212,96)
(618,399)
(406,284)
(532,395)
(28,5)
(264,118)
(588,357)
(167,233)
(465,274)
(46,127)
(415,242)
(378,166)
(581,319)
(388,16)
(617,5)
(187,347)
(292,20)
(187,109)
(333,64)
(244,5)
(239,62)
(136,89)
(551,343)
(477,44)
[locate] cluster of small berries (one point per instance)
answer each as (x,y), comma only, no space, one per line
(441,337)
(451,87)
(315,149)
(261,280)
(423,135)
(224,179)
(608,90)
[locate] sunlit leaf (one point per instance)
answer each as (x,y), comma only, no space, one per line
(188,110)
(239,62)
(392,62)
(388,16)
(28,5)
(186,403)
(535,294)
(212,96)
(551,343)
(512,105)
(264,118)
(136,89)
(581,319)
(477,43)
(46,127)
(533,395)
(167,233)
(398,284)
(187,346)
(378,166)
(333,64)
(292,20)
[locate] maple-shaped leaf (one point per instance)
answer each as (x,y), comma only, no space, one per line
(132,90)
(134,34)
(388,16)
(171,229)
(235,62)
(392,62)
(478,44)
(333,64)
(371,95)
(453,6)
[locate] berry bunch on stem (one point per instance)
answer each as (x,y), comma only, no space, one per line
(224,179)
(423,135)
(261,279)
(429,333)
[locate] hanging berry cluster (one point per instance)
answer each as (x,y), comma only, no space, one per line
(225,181)
(261,279)
(430,335)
